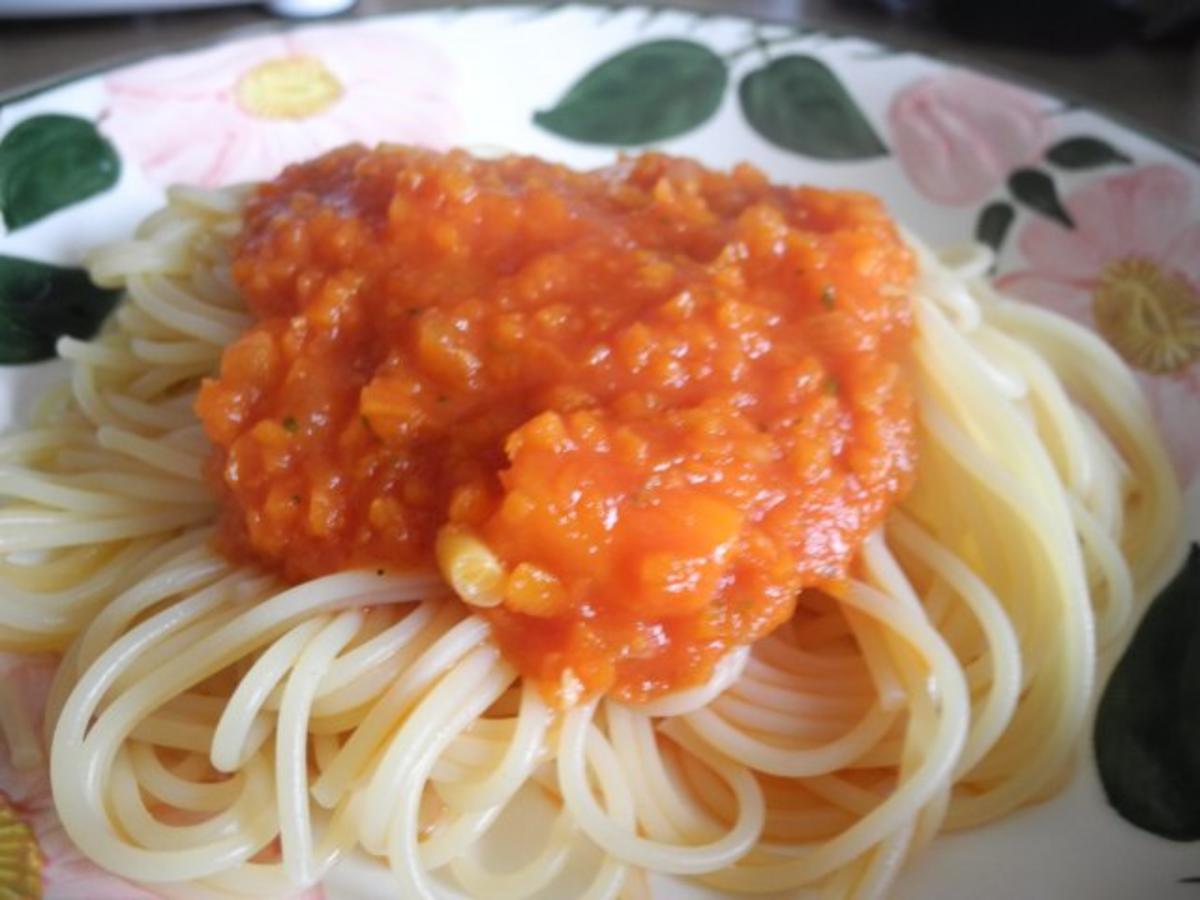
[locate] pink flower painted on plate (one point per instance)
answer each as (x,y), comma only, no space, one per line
(1130,269)
(958,135)
(246,109)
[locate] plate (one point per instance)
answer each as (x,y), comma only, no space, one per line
(1077,208)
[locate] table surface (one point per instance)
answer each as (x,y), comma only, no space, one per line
(1155,87)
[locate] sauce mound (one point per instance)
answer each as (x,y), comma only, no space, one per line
(630,412)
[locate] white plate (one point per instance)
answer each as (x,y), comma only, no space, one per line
(1064,193)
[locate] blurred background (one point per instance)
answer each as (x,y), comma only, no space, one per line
(1138,60)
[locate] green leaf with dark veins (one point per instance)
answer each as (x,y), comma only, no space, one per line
(1085,152)
(39,303)
(798,103)
(1035,189)
(992,226)
(650,92)
(1147,735)
(51,161)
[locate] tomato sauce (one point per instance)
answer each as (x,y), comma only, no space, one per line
(666,398)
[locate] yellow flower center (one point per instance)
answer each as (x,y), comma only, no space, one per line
(294,87)
(1150,316)
(20,859)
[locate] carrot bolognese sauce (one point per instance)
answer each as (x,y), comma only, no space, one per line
(630,413)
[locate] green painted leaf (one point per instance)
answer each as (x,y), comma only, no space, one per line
(1147,727)
(650,92)
(1084,152)
(1036,189)
(51,161)
(798,103)
(992,226)
(39,303)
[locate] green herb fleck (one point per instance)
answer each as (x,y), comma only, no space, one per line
(831,386)
(290,425)
(829,296)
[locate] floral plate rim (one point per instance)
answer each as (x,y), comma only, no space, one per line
(953,56)
(637,28)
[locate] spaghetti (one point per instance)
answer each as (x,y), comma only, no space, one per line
(212,725)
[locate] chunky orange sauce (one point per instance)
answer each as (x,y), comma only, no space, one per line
(666,398)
